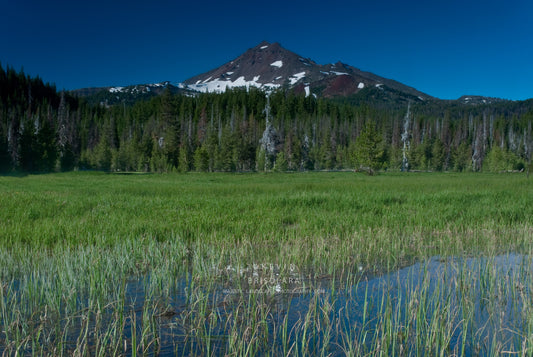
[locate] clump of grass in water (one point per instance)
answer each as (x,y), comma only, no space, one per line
(432,308)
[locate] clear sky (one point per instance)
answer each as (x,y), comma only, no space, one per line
(443,48)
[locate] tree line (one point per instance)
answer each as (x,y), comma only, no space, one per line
(43,130)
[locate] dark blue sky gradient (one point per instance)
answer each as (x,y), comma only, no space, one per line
(443,48)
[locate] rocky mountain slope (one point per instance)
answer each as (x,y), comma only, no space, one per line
(270,66)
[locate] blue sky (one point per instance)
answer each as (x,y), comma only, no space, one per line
(443,48)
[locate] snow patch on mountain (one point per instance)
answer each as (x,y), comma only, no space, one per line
(263,47)
(278,64)
(296,77)
(136,89)
(361,85)
(307,91)
(220,85)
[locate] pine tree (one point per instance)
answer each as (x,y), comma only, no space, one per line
(47,150)
(67,160)
(281,164)
(438,154)
(28,149)
(462,157)
(103,155)
(158,160)
(184,162)
(367,154)
(201,159)
(260,160)
(5,158)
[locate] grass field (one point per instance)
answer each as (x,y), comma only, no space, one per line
(99,264)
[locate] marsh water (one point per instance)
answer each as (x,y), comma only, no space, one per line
(482,305)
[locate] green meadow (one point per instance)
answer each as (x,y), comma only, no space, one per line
(416,213)
(145,264)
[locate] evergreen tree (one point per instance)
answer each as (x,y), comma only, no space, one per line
(28,149)
(438,155)
(462,157)
(102,155)
(227,153)
(68,158)
(144,152)
(500,160)
(46,150)
(158,160)
(201,159)
(125,158)
(419,157)
(5,158)
(260,160)
(281,164)
(367,151)
(184,162)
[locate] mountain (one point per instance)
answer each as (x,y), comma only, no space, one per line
(127,94)
(270,66)
(479,100)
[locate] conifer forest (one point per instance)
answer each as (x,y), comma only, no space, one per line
(45,130)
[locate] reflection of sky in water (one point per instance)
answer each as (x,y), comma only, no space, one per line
(493,290)
(492,287)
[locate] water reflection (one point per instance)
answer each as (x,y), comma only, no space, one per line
(467,306)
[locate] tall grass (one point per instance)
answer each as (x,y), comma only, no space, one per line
(388,215)
(102,264)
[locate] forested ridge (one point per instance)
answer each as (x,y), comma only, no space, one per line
(43,130)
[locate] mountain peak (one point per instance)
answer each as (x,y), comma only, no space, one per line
(266,44)
(269,66)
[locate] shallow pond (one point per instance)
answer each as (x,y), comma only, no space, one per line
(465,306)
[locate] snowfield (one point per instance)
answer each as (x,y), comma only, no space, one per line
(220,85)
(296,77)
